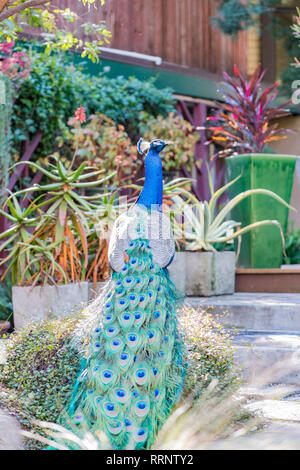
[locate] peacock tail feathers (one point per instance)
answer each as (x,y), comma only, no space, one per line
(134,372)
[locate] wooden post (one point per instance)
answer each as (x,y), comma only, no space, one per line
(201,152)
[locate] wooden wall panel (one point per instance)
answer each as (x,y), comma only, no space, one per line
(179,31)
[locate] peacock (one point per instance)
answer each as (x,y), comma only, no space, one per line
(133,370)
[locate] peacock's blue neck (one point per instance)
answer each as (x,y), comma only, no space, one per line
(152,192)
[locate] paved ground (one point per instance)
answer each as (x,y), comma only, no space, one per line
(278,406)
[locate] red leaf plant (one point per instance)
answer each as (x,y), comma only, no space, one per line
(16,65)
(80,115)
(243,124)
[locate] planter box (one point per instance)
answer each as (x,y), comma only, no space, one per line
(204,273)
(261,248)
(284,280)
(41,303)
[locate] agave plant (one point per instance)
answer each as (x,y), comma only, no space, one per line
(201,229)
(54,244)
(243,122)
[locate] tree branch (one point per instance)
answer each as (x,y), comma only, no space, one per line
(3,4)
(17,9)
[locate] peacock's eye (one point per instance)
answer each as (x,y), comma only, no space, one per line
(132,337)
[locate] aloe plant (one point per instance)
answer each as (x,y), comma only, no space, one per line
(22,222)
(52,245)
(202,228)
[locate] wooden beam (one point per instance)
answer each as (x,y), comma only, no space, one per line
(26,157)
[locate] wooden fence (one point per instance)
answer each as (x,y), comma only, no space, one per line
(179,31)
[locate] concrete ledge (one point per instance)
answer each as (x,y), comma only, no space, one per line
(253,311)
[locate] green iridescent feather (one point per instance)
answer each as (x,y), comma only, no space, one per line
(133,374)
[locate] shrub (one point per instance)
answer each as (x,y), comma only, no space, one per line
(209,352)
(5,301)
(37,380)
(174,128)
(40,371)
(292,247)
(103,144)
(55,88)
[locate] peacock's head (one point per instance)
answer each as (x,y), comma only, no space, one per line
(157,145)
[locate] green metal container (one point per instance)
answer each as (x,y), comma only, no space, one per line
(262,247)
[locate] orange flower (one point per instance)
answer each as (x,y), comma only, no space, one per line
(80,115)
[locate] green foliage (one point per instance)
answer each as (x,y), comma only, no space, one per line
(41,369)
(180,132)
(103,144)
(237,15)
(50,246)
(292,247)
(202,228)
(48,18)
(55,88)
(5,118)
(209,352)
(5,300)
(38,378)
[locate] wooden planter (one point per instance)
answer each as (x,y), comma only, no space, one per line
(284,280)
